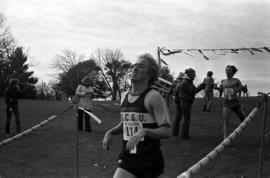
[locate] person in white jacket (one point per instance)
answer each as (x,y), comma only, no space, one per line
(85,93)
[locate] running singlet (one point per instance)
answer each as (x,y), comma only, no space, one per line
(135,117)
(230,87)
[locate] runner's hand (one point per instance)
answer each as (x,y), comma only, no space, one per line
(135,139)
(107,141)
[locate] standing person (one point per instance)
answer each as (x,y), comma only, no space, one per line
(245,90)
(208,91)
(231,86)
(187,95)
(85,92)
(11,98)
(178,108)
(144,121)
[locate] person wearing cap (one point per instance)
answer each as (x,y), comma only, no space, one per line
(208,91)
(85,92)
(11,98)
(230,86)
(178,108)
(187,95)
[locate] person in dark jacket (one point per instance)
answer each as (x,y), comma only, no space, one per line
(208,91)
(11,98)
(178,108)
(187,95)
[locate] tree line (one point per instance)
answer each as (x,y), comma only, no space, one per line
(13,63)
(109,69)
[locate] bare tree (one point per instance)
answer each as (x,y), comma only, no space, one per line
(99,60)
(114,69)
(67,60)
(7,42)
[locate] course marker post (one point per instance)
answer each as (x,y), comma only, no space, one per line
(265,100)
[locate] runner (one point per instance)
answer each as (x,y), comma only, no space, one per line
(230,87)
(144,121)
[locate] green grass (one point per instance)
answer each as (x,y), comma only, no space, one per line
(51,151)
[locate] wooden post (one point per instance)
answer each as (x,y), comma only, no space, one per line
(77,142)
(158,57)
(265,99)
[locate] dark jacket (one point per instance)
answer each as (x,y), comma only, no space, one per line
(188,90)
(12,95)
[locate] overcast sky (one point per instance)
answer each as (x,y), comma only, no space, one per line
(48,27)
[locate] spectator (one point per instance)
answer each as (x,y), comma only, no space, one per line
(208,91)
(144,121)
(178,108)
(11,97)
(85,92)
(245,90)
(187,95)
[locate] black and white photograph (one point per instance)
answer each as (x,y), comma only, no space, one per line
(134,89)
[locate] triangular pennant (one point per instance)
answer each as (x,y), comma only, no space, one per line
(251,52)
(234,51)
(165,54)
(266,49)
(256,49)
(187,53)
(203,54)
(163,62)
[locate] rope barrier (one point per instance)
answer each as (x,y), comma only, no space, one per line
(91,115)
(28,131)
(210,156)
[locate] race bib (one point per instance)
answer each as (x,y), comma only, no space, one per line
(228,92)
(130,128)
(132,123)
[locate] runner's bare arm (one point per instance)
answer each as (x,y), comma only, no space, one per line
(108,135)
(117,129)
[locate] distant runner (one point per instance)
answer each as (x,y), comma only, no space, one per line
(231,86)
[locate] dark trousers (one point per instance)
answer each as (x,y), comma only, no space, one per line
(15,110)
(186,108)
(82,115)
(177,119)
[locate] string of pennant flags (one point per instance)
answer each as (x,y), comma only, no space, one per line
(166,52)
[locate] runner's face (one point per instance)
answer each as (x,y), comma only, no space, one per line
(229,72)
(140,70)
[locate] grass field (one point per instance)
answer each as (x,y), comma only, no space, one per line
(51,151)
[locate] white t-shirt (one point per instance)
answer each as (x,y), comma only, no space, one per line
(85,94)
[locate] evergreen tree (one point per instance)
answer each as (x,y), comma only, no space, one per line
(18,68)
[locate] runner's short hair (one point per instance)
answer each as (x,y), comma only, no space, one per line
(234,69)
(209,73)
